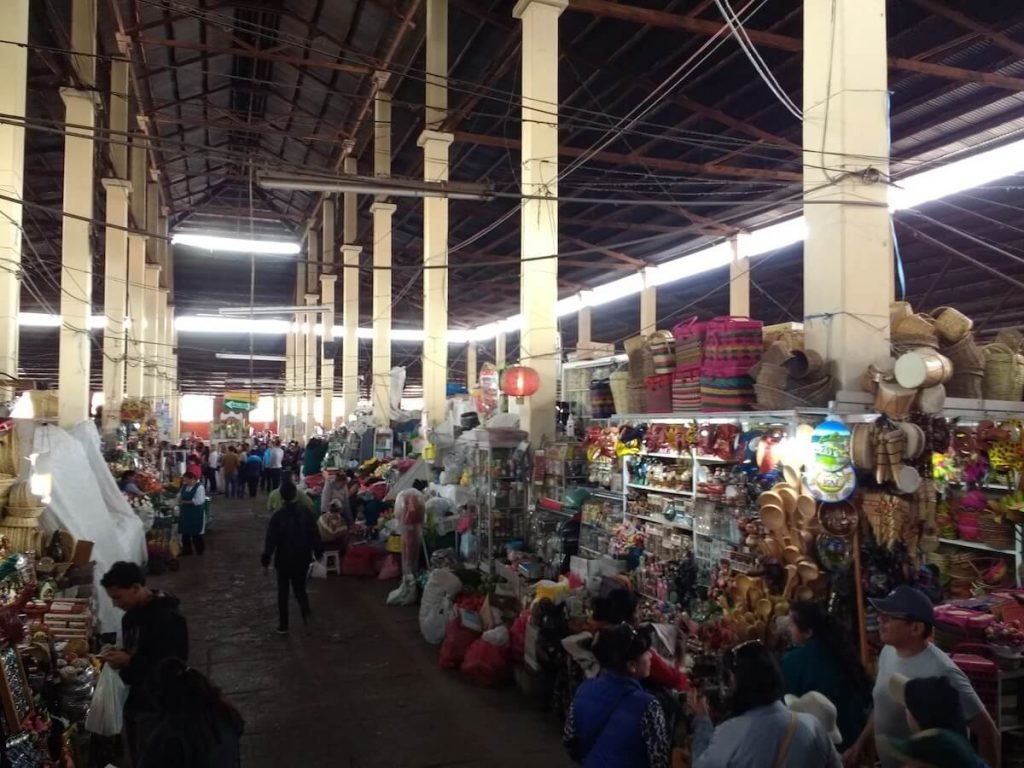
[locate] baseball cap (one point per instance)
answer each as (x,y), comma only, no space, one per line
(933,701)
(906,603)
(818,705)
(936,748)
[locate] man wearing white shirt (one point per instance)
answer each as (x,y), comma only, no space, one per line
(276,464)
(213,464)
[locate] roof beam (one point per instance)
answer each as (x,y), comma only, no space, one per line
(667,20)
(962,20)
(635,160)
(275,58)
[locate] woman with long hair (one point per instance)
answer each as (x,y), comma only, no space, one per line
(759,731)
(196,725)
(825,660)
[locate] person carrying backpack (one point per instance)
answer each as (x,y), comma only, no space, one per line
(292,542)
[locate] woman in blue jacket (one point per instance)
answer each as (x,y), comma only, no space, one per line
(613,721)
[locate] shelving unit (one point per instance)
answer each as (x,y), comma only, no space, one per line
(576,378)
(500,485)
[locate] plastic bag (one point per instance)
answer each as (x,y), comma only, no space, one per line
(457,640)
(360,560)
(390,570)
(106,712)
(487,664)
(318,570)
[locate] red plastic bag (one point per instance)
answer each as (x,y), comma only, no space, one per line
(517,636)
(360,560)
(392,568)
(487,664)
(457,640)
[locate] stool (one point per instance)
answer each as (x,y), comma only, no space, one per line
(332,561)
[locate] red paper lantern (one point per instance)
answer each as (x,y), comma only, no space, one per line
(519,381)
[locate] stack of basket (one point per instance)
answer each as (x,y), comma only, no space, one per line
(20,522)
(689,336)
(1004,370)
(789,378)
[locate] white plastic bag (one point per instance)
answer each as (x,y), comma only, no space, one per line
(318,569)
(106,712)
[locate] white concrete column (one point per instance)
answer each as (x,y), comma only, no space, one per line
(311,358)
(14,66)
(329,285)
(350,347)
(500,351)
(163,390)
(139,178)
(174,388)
(739,282)
(119,98)
(471,365)
(382,219)
(648,309)
(289,385)
(149,334)
(134,370)
(435,144)
(76,256)
(848,262)
(153,220)
(115,301)
(327,290)
(381,395)
(350,253)
(538,289)
(583,323)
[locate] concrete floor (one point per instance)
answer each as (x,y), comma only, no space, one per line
(361,690)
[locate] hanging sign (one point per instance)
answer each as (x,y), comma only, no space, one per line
(830,477)
(240,401)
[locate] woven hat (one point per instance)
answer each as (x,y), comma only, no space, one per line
(817,704)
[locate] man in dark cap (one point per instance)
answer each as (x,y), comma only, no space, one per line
(905,623)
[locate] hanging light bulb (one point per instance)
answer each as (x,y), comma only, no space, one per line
(40,481)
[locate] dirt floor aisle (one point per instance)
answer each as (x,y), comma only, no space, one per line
(362,690)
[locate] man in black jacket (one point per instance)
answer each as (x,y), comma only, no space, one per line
(293,542)
(152,629)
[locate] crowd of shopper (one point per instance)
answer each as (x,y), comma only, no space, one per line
(814,706)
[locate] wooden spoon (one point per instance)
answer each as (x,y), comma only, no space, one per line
(792,475)
(808,571)
(773,517)
(791,554)
(804,593)
(806,510)
(764,608)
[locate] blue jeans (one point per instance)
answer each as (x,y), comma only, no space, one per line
(231,485)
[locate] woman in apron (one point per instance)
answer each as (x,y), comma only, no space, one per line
(192,515)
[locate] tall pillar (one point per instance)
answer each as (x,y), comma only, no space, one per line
(328,286)
(538,287)
(648,309)
(153,220)
(163,348)
(14,65)
(311,356)
(119,99)
(115,301)
(471,366)
(350,299)
(149,333)
(500,350)
(382,215)
(848,263)
(435,144)
(140,178)
(583,324)
(288,420)
(175,392)
(739,282)
(134,369)
(76,252)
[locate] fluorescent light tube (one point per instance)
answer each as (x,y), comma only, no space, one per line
(235,244)
(260,358)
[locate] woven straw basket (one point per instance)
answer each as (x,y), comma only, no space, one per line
(1004,373)
(6,483)
(22,533)
(952,324)
(27,513)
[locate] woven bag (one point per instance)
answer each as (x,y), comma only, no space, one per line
(1004,373)
(732,346)
(951,324)
(659,393)
(689,336)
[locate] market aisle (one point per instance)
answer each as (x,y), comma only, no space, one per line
(361,691)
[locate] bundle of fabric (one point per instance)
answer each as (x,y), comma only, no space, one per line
(735,393)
